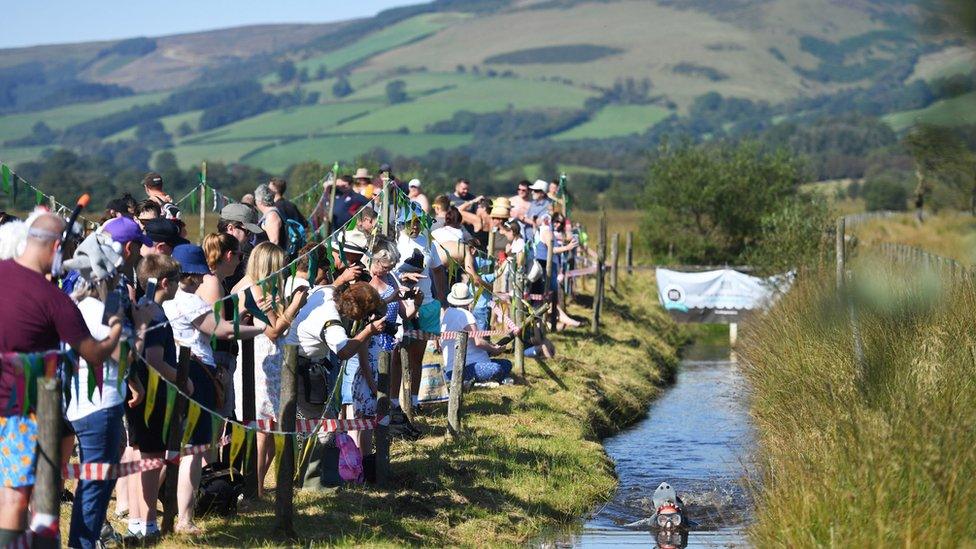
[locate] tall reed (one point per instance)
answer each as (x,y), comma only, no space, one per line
(879,454)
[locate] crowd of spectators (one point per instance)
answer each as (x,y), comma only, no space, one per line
(444,265)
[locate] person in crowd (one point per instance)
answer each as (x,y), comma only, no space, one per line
(366,222)
(453,245)
(265,260)
(439,209)
(95,420)
(156,346)
(287,208)
(479,366)
(512,231)
(148,209)
(193,325)
(462,198)
(520,202)
(119,207)
(132,239)
(223,256)
(546,235)
(152,182)
(165,236)
(363,184)
(241,222)
(432,285)
(541,203)
(45,317)
(248,200)
(347,202)
(482,223)
(272,222)
(500,214)
(416,194)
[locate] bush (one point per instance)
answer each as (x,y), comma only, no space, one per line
(396,92)
(885,193)
(569,53)
(342,87)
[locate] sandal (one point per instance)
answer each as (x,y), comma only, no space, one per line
(188,529)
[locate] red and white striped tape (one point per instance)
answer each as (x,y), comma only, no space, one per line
(327,425)
(107,471)
(580,272)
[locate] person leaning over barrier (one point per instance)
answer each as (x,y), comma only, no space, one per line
(39,317)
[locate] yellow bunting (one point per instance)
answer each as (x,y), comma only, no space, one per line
(236,442)
(192,417)
(153,385)
(279,441)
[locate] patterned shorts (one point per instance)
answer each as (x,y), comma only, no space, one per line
(18,450)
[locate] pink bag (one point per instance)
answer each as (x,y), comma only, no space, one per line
(350,459)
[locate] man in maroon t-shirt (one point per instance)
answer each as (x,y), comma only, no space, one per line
(37,317)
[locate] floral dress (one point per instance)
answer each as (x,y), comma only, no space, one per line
(268,358)
(363,399)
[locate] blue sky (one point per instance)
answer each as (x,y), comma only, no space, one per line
(28,23)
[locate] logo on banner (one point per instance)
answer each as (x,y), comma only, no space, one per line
(675,298)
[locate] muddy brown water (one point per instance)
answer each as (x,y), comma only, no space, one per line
(698,437)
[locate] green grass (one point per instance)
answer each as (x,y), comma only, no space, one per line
(879,456)
(401,33)
(617,120)
(296,121)
(948,112)
(19,125)
(418,84)
(170,123)
(530,460)
(950,234)
(950,61)
(189,155)
(481,95)
(533,171)
(346,148)
(15,155)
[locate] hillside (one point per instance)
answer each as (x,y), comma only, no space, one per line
(457,73)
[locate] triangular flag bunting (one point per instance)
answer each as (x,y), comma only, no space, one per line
(170,404)
(236,442)
(192,417)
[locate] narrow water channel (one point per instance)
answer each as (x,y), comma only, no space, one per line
(696,436)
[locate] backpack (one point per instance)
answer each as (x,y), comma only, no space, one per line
(350,459)
(218,491)
(296,236)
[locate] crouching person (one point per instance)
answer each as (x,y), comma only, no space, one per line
(321,333)
(479,366)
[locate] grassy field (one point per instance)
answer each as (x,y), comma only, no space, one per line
(189,155)
(948,112)
(940,64)
(530,459)
(477,95)
(296,121)
(171,123)
(950,234)
(19,125)
(617,120)
(877,456)
(345,148)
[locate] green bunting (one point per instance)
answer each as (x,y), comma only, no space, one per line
(38,197)
(313,267)
(235,300)
(5,177)
(193,201)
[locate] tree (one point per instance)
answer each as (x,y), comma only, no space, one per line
(790,237)
(342,87)
(286,72)
(396,92)
(166,162)
(707,202)
(153,135)
(321,73)
(184,129)
(937,152)
(303,75)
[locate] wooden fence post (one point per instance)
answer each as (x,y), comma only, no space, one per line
(287,414)
(518,314)
(250,469)
(47,489)
(841,252)
(382,411)
(457,384)
(173,439)
(630,252)
(600,267)
(406,385)
(614,260)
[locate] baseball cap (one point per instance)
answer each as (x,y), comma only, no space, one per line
(242,214)
(352,242)
(152,179)
(125,229)
(414,183)
(539,185)
(164,230)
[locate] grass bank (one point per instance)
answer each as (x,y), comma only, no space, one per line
(950,234)
(531,459)
(874,457)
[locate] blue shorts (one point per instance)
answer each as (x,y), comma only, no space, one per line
(430,317)
(18,450)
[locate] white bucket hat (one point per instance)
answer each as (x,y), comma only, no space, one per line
(460,295)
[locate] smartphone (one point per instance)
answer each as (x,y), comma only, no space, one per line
(112,302)
(150,295)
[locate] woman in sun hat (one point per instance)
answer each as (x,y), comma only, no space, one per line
(479,366)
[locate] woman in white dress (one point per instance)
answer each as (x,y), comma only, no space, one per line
(264,260)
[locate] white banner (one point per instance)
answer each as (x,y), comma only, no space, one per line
(719,290)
